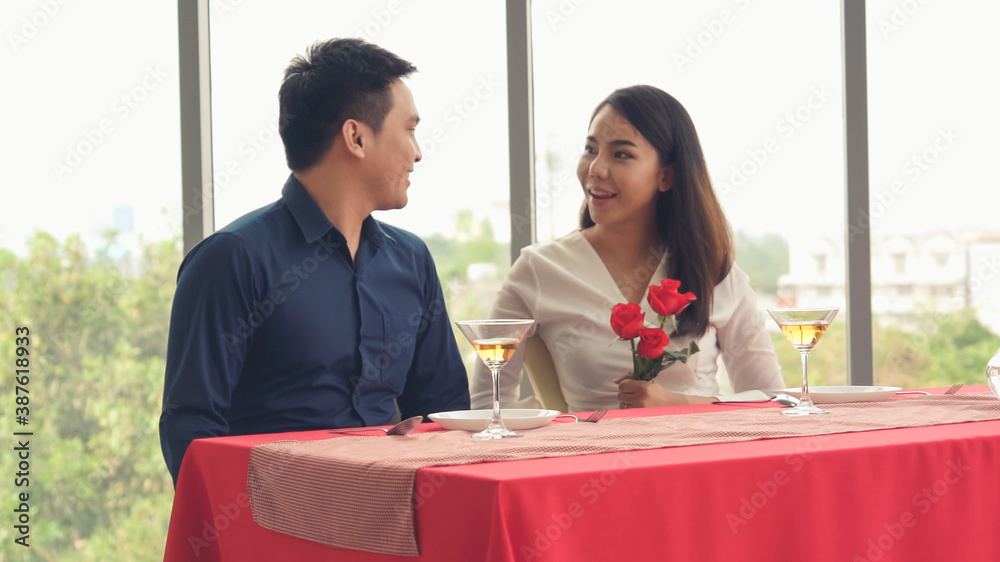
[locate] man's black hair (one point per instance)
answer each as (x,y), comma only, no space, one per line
(334,81)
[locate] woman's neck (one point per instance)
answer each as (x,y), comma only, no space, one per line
(629,244)
(631,258)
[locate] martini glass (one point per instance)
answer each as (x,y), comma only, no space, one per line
(803,327)
(495,341)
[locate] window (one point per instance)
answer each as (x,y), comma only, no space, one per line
(89,232)
(820,264)
(89,249)
(940,259)
(899,263)
(932,128)
(764,91)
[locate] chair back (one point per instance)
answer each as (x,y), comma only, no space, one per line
(542,374)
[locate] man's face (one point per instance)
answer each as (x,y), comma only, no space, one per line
(394,151)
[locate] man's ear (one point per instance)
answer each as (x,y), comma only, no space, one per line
(355,135)
(666,178)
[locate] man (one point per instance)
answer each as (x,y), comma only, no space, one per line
(309,313)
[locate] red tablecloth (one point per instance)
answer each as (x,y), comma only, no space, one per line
(920,494)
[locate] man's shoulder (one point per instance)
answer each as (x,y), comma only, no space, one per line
(246,236)
(258,225)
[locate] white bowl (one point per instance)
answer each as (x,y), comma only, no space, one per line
(478,420)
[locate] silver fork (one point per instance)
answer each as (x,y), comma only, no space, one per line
(954,388)
(594,416)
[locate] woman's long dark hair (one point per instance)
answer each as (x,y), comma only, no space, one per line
(689,217)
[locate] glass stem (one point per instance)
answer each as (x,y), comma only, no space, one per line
(496,422)
(805,400)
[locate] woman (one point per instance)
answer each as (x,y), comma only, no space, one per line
(650,213)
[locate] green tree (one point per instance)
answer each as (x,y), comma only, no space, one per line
(928,349)
(474,242)
(99,489)
(764,258)
(934,349)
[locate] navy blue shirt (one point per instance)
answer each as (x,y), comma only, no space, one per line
(275,328)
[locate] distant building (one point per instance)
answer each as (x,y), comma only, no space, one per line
(939,271)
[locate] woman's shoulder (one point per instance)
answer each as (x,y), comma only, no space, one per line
(570,246)
(736,277)
(733,288)
(554,260)
(734,284)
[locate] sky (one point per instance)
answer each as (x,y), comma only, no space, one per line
(95,129)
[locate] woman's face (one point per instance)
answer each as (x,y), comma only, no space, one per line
(620,172)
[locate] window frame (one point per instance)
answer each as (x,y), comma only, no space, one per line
(196,152)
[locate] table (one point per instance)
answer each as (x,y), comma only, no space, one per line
(912,494)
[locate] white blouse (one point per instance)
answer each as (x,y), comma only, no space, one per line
(564,286)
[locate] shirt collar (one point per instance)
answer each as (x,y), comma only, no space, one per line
(372,231)
(313,222)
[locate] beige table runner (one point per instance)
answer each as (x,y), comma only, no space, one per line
(357,492)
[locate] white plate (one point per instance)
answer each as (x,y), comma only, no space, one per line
(838,394)
(477,420)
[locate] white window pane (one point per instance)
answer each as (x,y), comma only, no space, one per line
(933,118)
(460,90)
(89,248)
(91,113)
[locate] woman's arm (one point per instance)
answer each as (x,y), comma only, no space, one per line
(649,394)
(745,342)
(510,302)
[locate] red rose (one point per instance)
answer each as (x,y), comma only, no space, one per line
(651,342)
(626,320)
(666,301)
